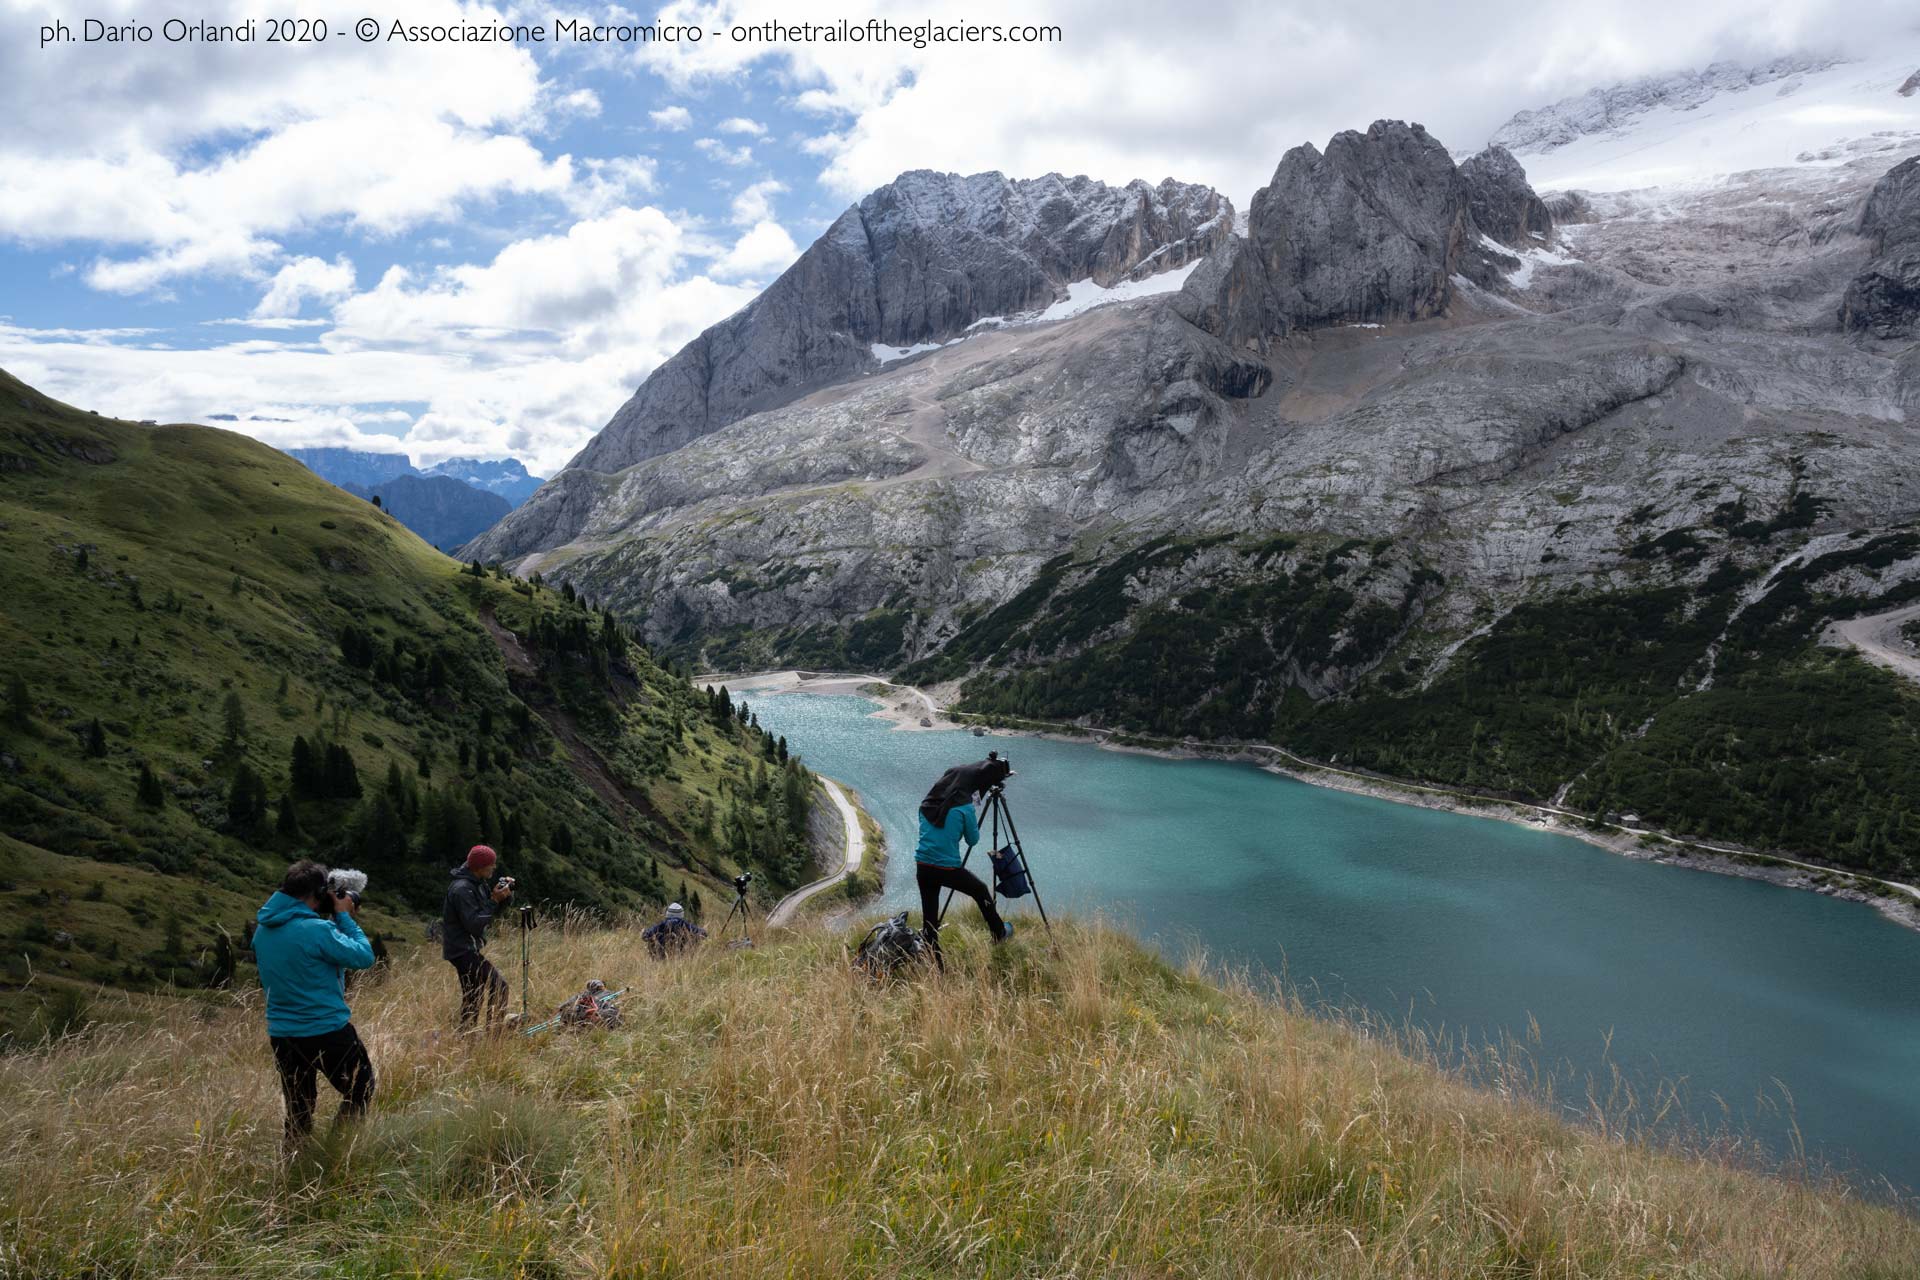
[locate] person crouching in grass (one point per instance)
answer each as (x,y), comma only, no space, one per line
(306,941)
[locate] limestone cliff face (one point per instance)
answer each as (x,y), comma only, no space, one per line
(1369,231)
(1884,300)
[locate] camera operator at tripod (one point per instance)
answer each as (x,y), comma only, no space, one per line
(673,933)
(947,817)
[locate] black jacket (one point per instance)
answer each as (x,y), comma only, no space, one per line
(468,911)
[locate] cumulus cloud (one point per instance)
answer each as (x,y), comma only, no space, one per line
(755,203)
(134,149)
(301,279)
(761,254)
(526,354)
(671,119)
(604,185)
(740,124)
(714,149)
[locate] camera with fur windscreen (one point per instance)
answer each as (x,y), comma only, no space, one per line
(347,883)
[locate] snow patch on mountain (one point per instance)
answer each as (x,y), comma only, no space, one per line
(1082,296)
(1693,127)
(887,355)
(1085,295)
(1531,260)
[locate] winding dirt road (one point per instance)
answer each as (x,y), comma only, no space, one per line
(783,911)
(1878,639)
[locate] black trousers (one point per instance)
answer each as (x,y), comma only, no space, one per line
(479,978)
(337,1055)
(933,879)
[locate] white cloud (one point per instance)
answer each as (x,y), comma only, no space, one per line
(740,124)
(762,253)
(755,203)
(610,184)
(136,148)
(528,354)
(671,119)
(301,279)
(714,149)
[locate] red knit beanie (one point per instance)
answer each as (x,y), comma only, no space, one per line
(479,858)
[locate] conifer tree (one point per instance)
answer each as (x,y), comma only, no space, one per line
(287,821)
(234,713)
(151,794)
(305,774)
(96,740)
(19,700)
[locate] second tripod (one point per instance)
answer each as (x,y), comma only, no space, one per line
(740,911)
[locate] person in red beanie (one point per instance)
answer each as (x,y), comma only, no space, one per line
(470,907)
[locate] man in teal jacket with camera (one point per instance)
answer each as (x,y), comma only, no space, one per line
(306,941)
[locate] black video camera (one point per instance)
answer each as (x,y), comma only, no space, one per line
(741,881)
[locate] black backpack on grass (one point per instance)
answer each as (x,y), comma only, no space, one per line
(892,949)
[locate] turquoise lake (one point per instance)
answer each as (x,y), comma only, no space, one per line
(1771,1009)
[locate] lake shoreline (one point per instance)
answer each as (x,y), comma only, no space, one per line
(913,708)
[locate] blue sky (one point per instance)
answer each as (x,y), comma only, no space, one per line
(481,250)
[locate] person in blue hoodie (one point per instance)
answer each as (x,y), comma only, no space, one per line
(306,941)
(946,818)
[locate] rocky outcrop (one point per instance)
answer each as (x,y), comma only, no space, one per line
(1373,231)
(1884,300)
(1368,231)
(1502,204)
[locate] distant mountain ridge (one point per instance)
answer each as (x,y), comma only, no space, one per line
(503,476)
(449,504)
(446,512)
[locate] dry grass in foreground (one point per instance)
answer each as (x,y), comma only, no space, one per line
(1086,1112)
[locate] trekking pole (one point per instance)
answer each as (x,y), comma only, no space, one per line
(526,927)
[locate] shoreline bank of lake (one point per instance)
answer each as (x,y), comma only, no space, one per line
(912,708)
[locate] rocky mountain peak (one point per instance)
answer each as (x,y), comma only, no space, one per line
(1502,203)
(1367,231)
(918,260)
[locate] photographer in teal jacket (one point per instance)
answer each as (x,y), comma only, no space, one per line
(946,818)
(306,941)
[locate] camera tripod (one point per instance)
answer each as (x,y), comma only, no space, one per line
(996,814)
(528,922)
(742,912)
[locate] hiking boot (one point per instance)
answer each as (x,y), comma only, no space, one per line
(1006,931)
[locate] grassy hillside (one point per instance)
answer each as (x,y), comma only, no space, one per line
(1082,1112)
(216,661)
